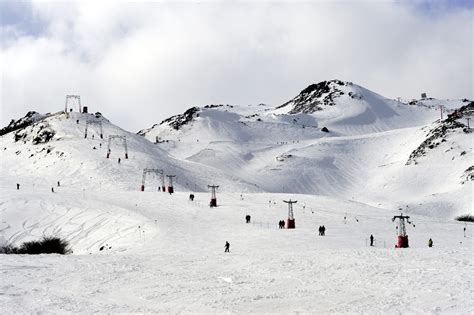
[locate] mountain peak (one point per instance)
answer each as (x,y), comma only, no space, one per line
(317,95)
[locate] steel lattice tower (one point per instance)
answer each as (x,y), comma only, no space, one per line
(291,218)
(213,202)
(402,237)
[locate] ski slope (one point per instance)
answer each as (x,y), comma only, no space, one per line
(172,260)
(152,252)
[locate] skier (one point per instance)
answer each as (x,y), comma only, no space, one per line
(371,240)
(59,184)
(247,218)
(17,186)
(92,137)
(100,145)
(52,189)
(323,230)
(226,246)
(191,196)
(119,160)
(430,243)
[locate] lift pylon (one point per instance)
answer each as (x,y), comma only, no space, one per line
(163,187)
(213,202)
(290,224)
(170,183)
(149,171)
(124,142)
(95,123)
(72,97)
(402,237)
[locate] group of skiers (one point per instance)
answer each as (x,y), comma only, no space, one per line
(322,230)
(281,224)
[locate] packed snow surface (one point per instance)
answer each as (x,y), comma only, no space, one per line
(150,251)
(167,255)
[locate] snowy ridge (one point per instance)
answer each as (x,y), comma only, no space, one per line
(370,139)
(153,252)
(316,96)
(63,155)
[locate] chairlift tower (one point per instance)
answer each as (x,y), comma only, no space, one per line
(149,171)
(402,237)
(77,98)
(97,123)
(213,202)
(124,142)
(170,183)
(291,219)
(163,187)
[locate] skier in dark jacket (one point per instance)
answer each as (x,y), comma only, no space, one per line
(226,246)
(430,243)
(17,186)
(371,240)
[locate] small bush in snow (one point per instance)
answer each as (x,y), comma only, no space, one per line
(47,245)
(8,249)
(466,218)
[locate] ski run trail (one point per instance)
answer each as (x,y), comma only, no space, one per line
(154,252)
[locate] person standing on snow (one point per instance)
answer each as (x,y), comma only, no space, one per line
(17,186)
(371,240)
(226,246)
(430,243)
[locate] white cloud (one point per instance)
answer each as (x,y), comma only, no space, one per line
(140,62)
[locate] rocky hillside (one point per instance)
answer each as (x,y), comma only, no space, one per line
(27,120)
(444,131)
(316,96)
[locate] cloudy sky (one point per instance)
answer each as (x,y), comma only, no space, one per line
(139,62)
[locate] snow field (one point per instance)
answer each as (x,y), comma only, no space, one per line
(177,263)
(163,253)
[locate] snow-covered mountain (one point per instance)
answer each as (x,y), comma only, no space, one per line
(54,148)
(46,153)
(335,138)
(350,157)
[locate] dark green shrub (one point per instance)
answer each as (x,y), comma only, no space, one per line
(47,245)
(466,218)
